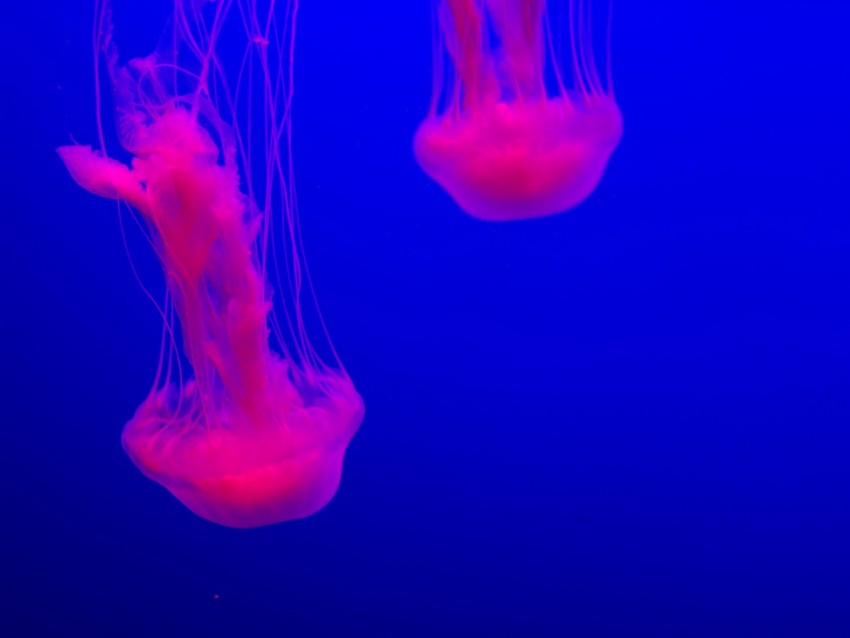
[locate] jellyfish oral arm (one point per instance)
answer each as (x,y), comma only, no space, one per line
(103,176)
(520,30)
(462,21)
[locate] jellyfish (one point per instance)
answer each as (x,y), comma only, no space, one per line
(510,134)
(249,426)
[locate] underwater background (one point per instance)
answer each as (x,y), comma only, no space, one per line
(631,419)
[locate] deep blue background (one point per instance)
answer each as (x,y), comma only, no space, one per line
(627,420)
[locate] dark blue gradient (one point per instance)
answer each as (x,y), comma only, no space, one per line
(630,420)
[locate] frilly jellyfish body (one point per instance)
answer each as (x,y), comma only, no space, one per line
(510,135)
(257,434)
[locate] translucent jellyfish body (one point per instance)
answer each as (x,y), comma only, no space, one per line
(510,135)
(257,432)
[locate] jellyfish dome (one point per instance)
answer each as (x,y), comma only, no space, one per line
(510,135)
(254,429)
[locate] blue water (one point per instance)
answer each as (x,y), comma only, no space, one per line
(628,420)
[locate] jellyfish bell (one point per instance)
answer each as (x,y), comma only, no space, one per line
(255,434)
(509,135)
(515,162)
(241,468)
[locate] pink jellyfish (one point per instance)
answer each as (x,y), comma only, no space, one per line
(509,134)
(257,434)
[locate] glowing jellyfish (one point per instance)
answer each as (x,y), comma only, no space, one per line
(509,134)
(258,435)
